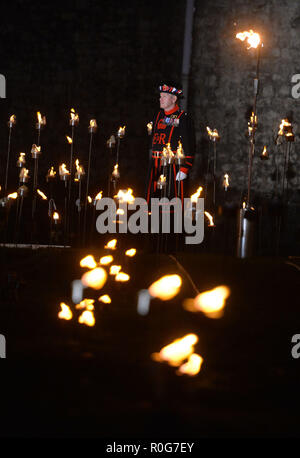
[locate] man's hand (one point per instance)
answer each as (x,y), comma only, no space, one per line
(180,176)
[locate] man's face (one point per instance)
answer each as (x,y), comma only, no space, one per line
(167,101)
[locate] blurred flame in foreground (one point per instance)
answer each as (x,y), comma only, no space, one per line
(114,270)
(95,278)
(65,313)
(121,276)
(130,252)
(105,260)
(177,351)
(88,261)
(87,304)
(14,195)
(87,317)
(211,302)
(105,299)
(166,287)
(253,38)
(111,245)
(192,366)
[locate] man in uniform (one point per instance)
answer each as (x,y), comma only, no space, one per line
(171,127)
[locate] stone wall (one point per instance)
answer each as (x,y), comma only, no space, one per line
(221,92)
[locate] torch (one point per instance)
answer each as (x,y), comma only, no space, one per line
(79,174)
(22,192)
(214,138)
(11,123)
(92,129)
(246,214)
(73,122)
(179,161)
(41,122)
(64,175)
(111,143)
(95,200)
(35,153)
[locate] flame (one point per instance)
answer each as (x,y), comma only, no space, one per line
(14,195)
(87,317)
(115,171)
(130,252)
(55,216)
(74,115)
(162,178)
(192,366)
(121,131)
(125,196)
(70,141)
(105,299)
(210,218)
(284,123)
(79,168)
(99,195)
(149,127)
(253,38)
(93,123)
(94,278)
(264,153)
(166,287)
(21,158)
(65,313)
(177,351)
(12,119)
(41,119)
(87,304)
(114,270)
(89,199)
(24,173)
(120,211)
(51,172)
(43,196)
(122,277)
(105,260)
(226,181)
(211,302)
(88,261)
(195,196)
(63,170)
(111,245)
(212,133)
(244,204)
(179,151)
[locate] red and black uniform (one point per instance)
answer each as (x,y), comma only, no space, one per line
(170,127)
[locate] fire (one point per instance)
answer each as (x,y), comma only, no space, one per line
(213,134)
(111,245)
(122,277)
(87,304)
(115,172)
(70,141)
(125,196)
(130,252)
(94,278)
(87,317)
(88,261)
(211,302)
(43,196)
(63,170)
(195,196)
(121,131)
(99,195)
(264,153)
(177,351)
(192,366)
(253,38)
(149,127)
(105,260)
(226,181)
(89,199)
(120,211)
(12,119)
(210,218)
(74,115)
(21,158)
(41,119)
(114,270)
(51,172)
(105,299)
(166,287)
(14,195)
(284,124)
(93,123)
(65,313)
(24,174)
(55,216)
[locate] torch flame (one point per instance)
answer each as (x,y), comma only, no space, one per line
(74,115)
(93,123)
(65,313)
(253,38)
(210,218)
(14,195)
(88,261)
(24,173)
(121,131)
(122,277)
(192,366)
(125,196)
(111,245)
(87,304)
(94,278)
(130,252)
(114,270)
(195,196)
(226,181)
(87,317)
(105,260)
(43,196)
(99,195)
(211,302)
(63,170)
(166,287)
(55,216)
(51,172)
(105,299)
(12,119)
(70,141)
(177,351)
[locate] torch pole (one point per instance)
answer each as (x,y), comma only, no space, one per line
(214,173)
(68,209)
(87,187)
(7,160)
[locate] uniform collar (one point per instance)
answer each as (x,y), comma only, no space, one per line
(176,108)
